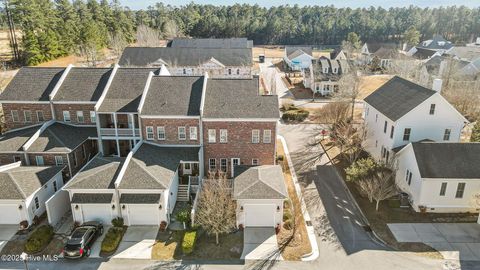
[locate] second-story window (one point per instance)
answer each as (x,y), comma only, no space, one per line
(59,160)
(93,117)
(184,71)
(40,117)
(161,133)
(406,134)
(460,190)
(66,116)
(446,134)
(385,127)
(149,132)
(80,117)
(391,132)
(193,133)
(229,71)
(254,161)
(212,164)
(223,136)
(39,160)
(255,136)
(212,135)
(28,116)
(182,133)
(15,116)
(432,109)
(443,189)
(267,136)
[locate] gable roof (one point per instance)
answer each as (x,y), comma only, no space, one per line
(22,181)
(153,167)
(60,137)
(83,84)
(448,160)
(171,95)
(126,90)
(99,173)
(294,51)
(423,53)
(174,57)
(259,182)
(32,84)
(397,97)
(238,98)
(436,43)
(211,43)
(14,140)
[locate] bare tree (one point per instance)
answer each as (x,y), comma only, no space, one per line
(378,186)
(90,52)
(147,37)
(117,43)
(216,212)
(333,113)
(349,139)
(171,30)
(348,88)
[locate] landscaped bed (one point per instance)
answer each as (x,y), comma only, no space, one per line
(293,242)
(113,237)
(39,239)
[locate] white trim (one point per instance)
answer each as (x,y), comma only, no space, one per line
(10,166)
(169,116)
(204,92)
(23,102)
(171,145)
(60,82)
(107,86)
(37,134)
(125,164)
(145,92)
(75,102)
(240,119)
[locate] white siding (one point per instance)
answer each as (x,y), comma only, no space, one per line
(278,215)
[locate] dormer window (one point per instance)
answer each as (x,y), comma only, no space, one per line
(432,109)
(335,70)
(184,71)
(325,70)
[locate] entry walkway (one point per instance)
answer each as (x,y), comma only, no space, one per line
(456,241)
(260,243)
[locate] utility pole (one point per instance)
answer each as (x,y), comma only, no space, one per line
(12,34)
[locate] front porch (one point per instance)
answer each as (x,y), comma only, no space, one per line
(188,180)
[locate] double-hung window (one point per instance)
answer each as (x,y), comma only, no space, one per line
(161,133)
(149,132)
(391,132)
(443,189)
(80,118)
(212,164)
(256,136)
(28,116)
(37,203)
(212,135)
(40,117)
(66,116)
(39,160)
(182,133)
(223,164)
(267,136)
(193,133)
(59,160)
(432,109)
(406,134)
(460,190)
(385,127)
(15,116)
(223,136)
(446,134)
(93,117)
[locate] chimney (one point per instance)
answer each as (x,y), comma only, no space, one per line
(437,85)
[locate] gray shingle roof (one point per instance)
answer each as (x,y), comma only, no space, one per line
(99,173)
(21,182)
(85,198)
(423,53)
(465,53)
(448,160)
(174,57)
(60,137)
(397,97)
(174,96)
(32,84)
(14,140)
(140,198)
(238,98)
(125,92)
(260,182)
(294,51)
(437,43)
(211,43)
(83,84)
(153,167)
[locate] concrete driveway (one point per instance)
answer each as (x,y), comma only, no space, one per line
(6,233)
(260,243)
(137,243)
(455,241)
(97,246)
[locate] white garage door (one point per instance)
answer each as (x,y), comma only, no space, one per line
(9,214)
(259,215)
(143,214)
(97,212)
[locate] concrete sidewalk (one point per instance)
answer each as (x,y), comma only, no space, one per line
(455,241)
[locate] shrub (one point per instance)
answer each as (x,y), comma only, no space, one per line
(280,158)
(163,226)
(295,115)
(287,204)
(23,224)
(476,133)
(184,215)
(189,242)
(117,222)
(112,239)
(39,239)
(287,106)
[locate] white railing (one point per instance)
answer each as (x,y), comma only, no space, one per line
(107,131)
(122,132)
(195,204)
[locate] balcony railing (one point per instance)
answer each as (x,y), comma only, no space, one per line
(122,132)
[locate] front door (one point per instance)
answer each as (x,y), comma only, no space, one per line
(187,168)
(235,162)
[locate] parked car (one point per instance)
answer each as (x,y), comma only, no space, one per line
(81,241)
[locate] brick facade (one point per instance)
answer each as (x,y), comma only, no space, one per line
(73,108)
(239,143)
(7,158)
(171,130)
(21,108)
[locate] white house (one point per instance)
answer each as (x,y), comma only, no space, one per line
(25,189)
(440,177)
(400,112)
(323,75)
(298,58)
(260,192)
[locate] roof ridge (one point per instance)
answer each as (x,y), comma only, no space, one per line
(16,184)
(146,171)
(58,139)
(268,183)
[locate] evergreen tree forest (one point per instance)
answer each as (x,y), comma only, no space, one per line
(56,28)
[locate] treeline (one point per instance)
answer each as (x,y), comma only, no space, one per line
(60,27)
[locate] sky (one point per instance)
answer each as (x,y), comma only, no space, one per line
(141,4)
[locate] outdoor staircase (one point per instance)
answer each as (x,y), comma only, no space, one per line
(183,194)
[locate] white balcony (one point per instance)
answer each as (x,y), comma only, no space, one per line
(122,132)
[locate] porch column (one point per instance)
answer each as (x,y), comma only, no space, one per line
(116,133)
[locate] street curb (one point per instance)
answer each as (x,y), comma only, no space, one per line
(306,216)
(373,235)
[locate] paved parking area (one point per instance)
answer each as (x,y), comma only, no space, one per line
(260,243)
(97,246)
(6,233)
(137,243)
(452,240)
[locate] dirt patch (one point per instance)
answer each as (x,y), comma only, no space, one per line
(368,84)
(269,51)
(230,247)
(168,245)
(293,243)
